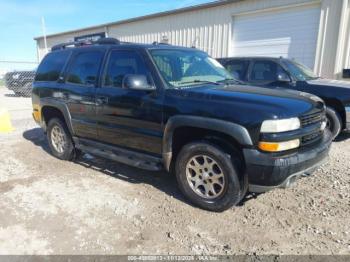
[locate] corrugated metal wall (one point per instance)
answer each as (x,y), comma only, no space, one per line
(209,29)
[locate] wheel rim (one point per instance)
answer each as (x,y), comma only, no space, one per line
(205,176)
(58,139)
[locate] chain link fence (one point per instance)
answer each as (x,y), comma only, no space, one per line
(17,76)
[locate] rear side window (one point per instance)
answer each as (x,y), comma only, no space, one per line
(85,68)
(51,67)
(237,68)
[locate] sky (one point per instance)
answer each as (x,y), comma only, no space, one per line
(20,20)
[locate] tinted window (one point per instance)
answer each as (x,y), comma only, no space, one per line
(238,68)
(122,63)
(265,71)
(188,67)
(51,66)
(84,68)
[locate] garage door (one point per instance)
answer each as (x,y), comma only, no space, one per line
(289,33)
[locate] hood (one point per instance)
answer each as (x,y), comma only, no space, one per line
(301,93)
(256,100)
(329,82)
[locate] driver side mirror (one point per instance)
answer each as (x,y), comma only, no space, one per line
(137,82)
(283,78)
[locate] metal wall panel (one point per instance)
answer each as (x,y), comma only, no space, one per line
(208,29)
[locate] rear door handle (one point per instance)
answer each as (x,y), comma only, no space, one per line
(100,100)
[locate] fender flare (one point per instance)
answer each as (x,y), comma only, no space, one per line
(50,102)
(338,106)
(238,132)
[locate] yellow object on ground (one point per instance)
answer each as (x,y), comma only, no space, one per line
(5,121)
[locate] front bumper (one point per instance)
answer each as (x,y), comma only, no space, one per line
(268,171)
(347,112)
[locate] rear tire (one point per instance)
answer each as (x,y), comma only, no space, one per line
(208,177)
(60,140)
(333,121)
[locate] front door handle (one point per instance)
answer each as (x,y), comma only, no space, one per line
(100,100)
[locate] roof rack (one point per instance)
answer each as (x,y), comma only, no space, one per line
(101,41)
(159,43)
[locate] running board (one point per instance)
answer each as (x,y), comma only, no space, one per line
(131,158)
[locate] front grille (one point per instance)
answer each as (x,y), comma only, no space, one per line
(311,119)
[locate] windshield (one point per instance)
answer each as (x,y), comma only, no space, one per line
(299,71)
(188,67)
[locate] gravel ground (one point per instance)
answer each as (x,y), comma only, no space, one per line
(94,206)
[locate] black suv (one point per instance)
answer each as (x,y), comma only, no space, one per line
(159,107)
(284,73)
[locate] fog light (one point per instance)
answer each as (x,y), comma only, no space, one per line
(279,146)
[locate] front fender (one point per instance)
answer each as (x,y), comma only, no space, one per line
(238,132)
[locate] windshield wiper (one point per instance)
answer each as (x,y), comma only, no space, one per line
(199,81)
(232,80)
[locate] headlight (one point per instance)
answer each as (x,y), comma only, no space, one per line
(282,125)
(279,146)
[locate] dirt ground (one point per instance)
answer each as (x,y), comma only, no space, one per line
(94,206)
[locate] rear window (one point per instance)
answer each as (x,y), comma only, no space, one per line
(51,67)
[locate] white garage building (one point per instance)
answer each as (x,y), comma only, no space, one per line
(315,32)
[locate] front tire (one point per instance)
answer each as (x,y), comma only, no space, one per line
(208,177)
(333,122)
(60,140)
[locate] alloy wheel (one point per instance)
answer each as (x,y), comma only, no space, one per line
(58,139)
(205,176)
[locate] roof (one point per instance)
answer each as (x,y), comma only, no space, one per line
(140,18)
(126,45)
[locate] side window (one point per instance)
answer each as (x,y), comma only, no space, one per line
(265,71)
(84,68)
(51,66)
(122,63)
(238,68)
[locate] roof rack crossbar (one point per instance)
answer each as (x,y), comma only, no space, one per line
(101,41)
(159,43)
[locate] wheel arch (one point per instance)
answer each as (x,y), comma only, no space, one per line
(51,108)
(337,106)
(203,128)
